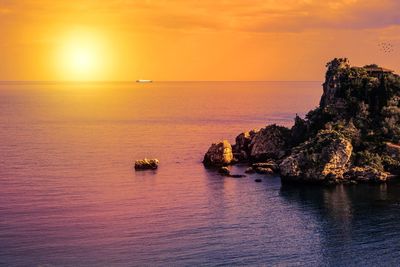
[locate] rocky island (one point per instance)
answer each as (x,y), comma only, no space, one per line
(352,136)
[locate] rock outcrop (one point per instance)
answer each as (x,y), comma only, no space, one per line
(242,147)
(320,159)
(332,84)
(219,154)
(352,136)
(146,164)
(270,142)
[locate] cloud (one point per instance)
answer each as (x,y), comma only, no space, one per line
(280,16)
(239,15)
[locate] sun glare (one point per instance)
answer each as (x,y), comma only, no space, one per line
(82,56)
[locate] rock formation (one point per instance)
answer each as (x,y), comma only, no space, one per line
(242,147)
(269,143)
(322,158)
(146,164)
(353,135)
(219,154)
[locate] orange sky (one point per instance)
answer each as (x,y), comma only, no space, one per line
(192,39)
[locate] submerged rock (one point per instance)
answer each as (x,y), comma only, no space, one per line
(219,154)
(323,158)
(237,175)
(249,170)
(258,180)
(146,164)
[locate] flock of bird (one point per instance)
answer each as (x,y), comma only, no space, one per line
(386,48)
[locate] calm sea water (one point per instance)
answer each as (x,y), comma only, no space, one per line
(69,196)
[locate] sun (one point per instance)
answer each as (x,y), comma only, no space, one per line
(83,55)
(82,58)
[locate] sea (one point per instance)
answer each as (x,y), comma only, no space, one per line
(69,195)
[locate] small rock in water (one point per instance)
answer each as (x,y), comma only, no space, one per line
(262,170)
(237,175)
(146,164)
(269,164)
(249,170)
(224,171)
(258,180)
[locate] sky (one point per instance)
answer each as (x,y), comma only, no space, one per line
(121,40)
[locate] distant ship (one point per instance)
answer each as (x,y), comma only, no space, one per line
(144,81)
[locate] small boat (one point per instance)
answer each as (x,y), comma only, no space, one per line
(144,81)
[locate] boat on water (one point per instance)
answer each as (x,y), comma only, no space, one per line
(144,81)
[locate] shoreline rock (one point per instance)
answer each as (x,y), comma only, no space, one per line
(242,148)
(366,175)
(322,158)
(219,154)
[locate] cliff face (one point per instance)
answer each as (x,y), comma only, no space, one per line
(359,108)
(332,86)
(366,98)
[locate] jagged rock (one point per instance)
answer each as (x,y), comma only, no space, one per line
(146,164)
(240,156)
(241,148)
(219,154)
(332,83)
(366,174)
(299,131)
(269,143)
(320,159)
